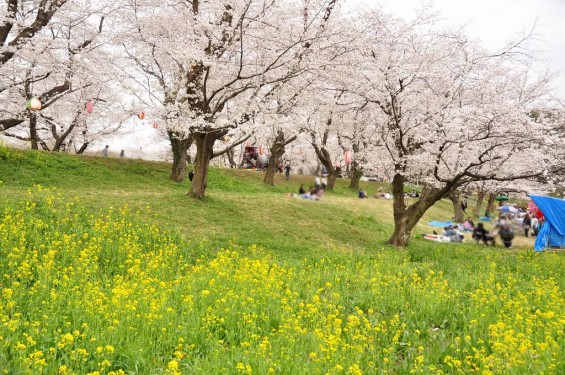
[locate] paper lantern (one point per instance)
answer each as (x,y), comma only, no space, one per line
(155,126)
(261,151)
(33,104)
(347,157)
(89,107)
(141,115)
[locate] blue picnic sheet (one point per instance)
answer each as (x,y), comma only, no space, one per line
(441,224)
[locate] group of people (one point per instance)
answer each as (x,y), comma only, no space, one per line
(313,193)
(106,150)
(502,229)
(321,182)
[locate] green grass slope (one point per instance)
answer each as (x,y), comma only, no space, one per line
(239,206)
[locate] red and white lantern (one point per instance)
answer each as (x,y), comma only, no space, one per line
(347,156)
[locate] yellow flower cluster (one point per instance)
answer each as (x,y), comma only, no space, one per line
(109,294)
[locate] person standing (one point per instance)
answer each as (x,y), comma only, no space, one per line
(105,151)
(527,224)
(123,154)
(535,226)
(287,171)
(464,206)
(506,235)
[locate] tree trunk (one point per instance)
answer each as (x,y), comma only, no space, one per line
(356,175)
(179,146)
(332,178)
(325,159)
(480,198)
(490,205)
(82,148)
(33,131)
(277,151)
(406,218)
(459,214)
(204,150)
(231,158)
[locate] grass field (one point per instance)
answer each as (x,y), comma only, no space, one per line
(107,268)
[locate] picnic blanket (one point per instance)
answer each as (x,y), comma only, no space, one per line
(441,224)
(436,238)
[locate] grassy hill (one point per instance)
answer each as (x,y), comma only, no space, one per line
(239,206)
(107,267)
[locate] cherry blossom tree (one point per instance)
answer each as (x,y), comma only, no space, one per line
(447,111)
(64,65)
(232,56)
(21,22)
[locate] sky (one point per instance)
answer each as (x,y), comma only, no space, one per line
(496,22)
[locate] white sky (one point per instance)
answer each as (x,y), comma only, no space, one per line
(495,22)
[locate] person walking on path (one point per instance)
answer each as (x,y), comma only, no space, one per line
(105,151)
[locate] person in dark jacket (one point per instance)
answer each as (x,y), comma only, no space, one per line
(527,224)
(481,234)
(506,235)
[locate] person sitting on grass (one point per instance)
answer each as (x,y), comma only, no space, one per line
(362,194)
(314,193)
(468,225)
(452,233)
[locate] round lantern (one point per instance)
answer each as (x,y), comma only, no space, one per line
(347,157)
(155,126)
(33,104)
(141,115)
(89,107)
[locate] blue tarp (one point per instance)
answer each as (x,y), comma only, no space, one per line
(552,232)
(441,224)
